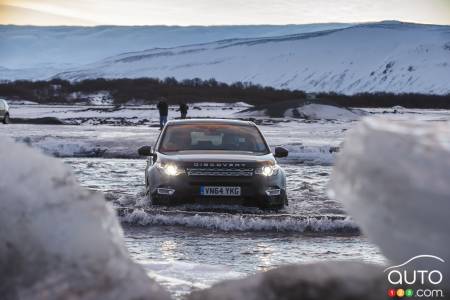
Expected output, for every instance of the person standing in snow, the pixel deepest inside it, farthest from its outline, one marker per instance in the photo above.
(183, 110)
(163, 112)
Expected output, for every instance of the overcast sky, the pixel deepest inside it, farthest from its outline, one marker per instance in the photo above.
(219, 12)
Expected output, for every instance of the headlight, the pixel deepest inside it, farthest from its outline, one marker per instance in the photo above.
(170, 169)
(268, 170)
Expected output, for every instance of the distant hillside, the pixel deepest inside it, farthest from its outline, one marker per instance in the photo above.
(149, 91)
(25, 47)
(390, 57)
(381, 57)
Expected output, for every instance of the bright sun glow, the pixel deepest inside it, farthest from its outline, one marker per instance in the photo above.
(219, 12)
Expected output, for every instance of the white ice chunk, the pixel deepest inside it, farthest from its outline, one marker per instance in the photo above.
(57, 240)
(394, 179)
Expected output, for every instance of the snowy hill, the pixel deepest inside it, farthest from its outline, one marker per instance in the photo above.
(61, 46)
(386, 56)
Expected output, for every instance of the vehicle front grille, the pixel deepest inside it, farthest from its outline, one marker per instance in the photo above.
(220, 172)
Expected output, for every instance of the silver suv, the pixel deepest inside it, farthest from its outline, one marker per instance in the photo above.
(214, 161)
(4, 112)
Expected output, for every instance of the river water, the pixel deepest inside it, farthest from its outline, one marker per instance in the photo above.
(192, 247)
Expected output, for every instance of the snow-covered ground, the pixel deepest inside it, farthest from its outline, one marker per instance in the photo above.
(315, 141)
(325, 112)
(314, 138)
(123, 115)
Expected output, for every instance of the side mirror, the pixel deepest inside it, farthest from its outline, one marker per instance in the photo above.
(145, 151)
(281, 152)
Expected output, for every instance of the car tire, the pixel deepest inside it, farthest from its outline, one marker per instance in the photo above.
(156, 202)
(149, 194)
(149, 199)
(276, 207)
(6, 119)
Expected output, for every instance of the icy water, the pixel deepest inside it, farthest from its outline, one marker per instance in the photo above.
(122, 180)
(192, 247)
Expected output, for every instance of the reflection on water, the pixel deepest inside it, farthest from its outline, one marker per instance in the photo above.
(168, 249)
(183, 259)
(264, 254)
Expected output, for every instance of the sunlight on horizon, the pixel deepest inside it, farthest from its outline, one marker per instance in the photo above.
(215, 12)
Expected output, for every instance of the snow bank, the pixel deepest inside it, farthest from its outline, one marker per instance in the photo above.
(393, 178)
(97, 98)
(331, 280)
(323, 112)
(21, 102)
(240, 222)
(293, 109)
(252, 113)
(60, 147)
(57, 240)
(312, 155)
(99, 111)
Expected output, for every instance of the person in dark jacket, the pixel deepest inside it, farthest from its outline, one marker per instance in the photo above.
(163, 112)
(183, 110)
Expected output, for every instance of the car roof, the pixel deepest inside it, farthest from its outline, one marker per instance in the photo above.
(211, 121)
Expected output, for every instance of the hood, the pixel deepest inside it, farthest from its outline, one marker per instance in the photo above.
(190, 157)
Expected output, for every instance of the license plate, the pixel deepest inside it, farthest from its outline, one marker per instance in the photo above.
(220, 190)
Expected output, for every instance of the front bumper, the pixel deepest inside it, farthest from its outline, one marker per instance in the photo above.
(256, 190)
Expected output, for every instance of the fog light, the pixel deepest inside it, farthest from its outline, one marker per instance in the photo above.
(273, 192)
(163, 191)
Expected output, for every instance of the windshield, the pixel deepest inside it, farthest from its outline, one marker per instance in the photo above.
(225, 137)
